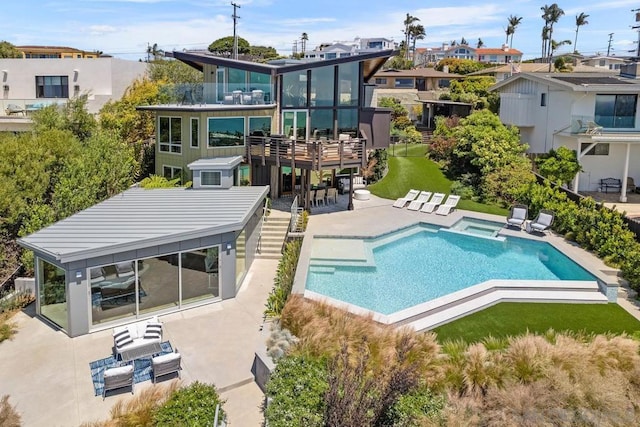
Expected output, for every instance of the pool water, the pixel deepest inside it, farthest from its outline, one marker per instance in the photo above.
(428, 264)
(479, 227)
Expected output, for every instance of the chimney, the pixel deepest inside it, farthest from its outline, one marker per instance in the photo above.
(505, 47)
(445, 46)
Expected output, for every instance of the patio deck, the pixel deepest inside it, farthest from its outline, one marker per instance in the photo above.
(47, 374)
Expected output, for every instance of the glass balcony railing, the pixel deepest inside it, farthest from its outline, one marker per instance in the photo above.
(213, 93)
(23, 107)
(602, 124)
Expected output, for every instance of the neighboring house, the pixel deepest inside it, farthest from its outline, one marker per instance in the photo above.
(432, 55)
(502, 72)
(596, 115)
(27, 85)
(148, 252)
(606, 62)
(420, 79)
(343, 49)
(313, 105)
(52, 52)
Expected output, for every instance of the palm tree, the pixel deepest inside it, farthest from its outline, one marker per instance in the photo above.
(545, 39)
(580, 21)
(154, 52)
(551, 15)
(555, 45)
(480, 43)
(514, 21)
(463, 42)
(407, 22)
(416, 32)
(304, 38)
(508, 31)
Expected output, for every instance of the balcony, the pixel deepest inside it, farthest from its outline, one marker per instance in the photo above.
(590, 125)
(213, 93)
(277, 150)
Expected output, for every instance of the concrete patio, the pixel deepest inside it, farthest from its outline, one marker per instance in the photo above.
(47, 374)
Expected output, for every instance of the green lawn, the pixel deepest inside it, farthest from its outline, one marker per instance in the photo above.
(510, 319)
(415, 170)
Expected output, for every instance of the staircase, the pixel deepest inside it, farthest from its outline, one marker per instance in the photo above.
(274, 231)
(426, 136)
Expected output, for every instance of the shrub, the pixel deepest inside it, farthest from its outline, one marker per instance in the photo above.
(279, 341)
(296, 392)
(193, 405)
(283, 281)
(419, 407)
(508, 183)
(559, 166)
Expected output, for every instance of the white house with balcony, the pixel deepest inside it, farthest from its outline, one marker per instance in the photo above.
(594, 114)
(27, 85)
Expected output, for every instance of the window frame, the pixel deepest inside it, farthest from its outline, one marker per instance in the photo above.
(42, 94)
(214, 173)
(173, 169)
(197, 138)
(170, 144)
(600, 149)
(244, 131)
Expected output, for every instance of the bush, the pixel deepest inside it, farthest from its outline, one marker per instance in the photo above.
(416, 409)
(194, 405)
(9, 417)
(296, 392)
(283, 281)
(508, 184)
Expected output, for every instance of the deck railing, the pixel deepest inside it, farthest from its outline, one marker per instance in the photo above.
(314, 154)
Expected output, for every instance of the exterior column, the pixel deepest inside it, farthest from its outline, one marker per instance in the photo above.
(625, 174)
(350, 205)
(576, 180)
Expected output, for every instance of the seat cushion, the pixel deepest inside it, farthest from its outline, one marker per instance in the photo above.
(165, 358)
(119, 371)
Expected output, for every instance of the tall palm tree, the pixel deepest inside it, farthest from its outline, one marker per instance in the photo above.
(514, 21)
(508, 31)
(304, 38)
(580, 21)
(407, 22)
(480, 43)
(416, 32)
(556, 44)
(545, 39)
(551, 15)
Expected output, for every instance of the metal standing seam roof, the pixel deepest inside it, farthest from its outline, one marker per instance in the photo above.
(139, 218)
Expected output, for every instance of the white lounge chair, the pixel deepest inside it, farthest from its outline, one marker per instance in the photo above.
(422, 198)
(517, 216)
(411, 195)
(115, 378)
(435, 201)
(542, 222)
(449, 205)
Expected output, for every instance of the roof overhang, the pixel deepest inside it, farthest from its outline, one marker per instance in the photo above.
(548, 79)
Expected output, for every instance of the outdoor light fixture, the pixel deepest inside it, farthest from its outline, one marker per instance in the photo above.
(78, 275)
(229, 246)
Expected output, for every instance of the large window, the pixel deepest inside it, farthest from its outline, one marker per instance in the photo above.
(260, 126)
(53, 295)
(321, 124)
(348, 121)
(348, 80)
(170, 134)
(237, 79)
(596, 150)
(52, 87)
(294, 89)
(261, 81)
(406, 83)
(200, 274)
(616, 111)
(226, 131)
(171, 172)
(322, 86)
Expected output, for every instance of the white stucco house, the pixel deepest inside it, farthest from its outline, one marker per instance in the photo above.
(594, 114)
(28, 84)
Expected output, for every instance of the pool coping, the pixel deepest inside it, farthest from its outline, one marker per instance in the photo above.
(367, 222)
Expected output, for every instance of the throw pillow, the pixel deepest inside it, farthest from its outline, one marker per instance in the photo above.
(122, 338)
(153, 331)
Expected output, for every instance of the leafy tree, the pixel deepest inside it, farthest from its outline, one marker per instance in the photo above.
(263, 53)
(7, 50)
(172, 71)
(460, 66)
(224, 46)
(72, 116)
(580, 21)
(559, 166)
(397, 109)
(474, 90)
(157, 181)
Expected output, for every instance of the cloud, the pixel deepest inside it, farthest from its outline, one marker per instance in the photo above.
(97, 30)
(299, 22)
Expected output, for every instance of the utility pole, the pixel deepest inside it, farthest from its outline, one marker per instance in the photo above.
(295, 48)
(637, 28)
(609, 45)
(235, 34)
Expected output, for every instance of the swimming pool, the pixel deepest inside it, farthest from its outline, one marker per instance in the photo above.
(397, 271)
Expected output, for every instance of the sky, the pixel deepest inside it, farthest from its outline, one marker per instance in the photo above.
(124, 28)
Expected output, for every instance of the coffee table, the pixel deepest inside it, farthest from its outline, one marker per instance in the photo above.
(142, 352)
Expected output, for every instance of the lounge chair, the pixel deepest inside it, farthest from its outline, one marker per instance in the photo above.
(517, 216)
(432, 204)
(449, 205)
(166, 364)
(402, 201)
(422, 198)
(115, 378)
(541, 222)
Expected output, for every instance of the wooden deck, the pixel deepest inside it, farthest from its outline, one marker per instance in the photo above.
(310, 155)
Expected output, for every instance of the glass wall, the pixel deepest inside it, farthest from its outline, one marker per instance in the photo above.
(200, 275)
(322, 86)
(322, 124)
(225, 131)
(236, 79)
(616, 111)
(260, 81)
(241, 256)
(53, 294)
(260, 126)
(113, 292)
(294, 89)
(348, 121)
(158, 283)
(348, 79)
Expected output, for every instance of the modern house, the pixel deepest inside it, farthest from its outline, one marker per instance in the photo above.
(148, 252)
(27, 85)
(356, 46)
(432, 55)
(286, 119)
(596, 115)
